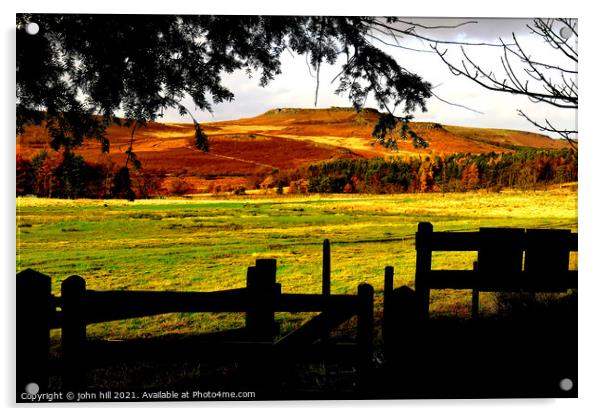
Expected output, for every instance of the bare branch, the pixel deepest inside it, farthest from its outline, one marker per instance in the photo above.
(541, 82)
(413, 24)
(397, 45)
(455, 104)
(511, 84)
(549, 128)
(544, 30)
(545, 65)
(393, 31)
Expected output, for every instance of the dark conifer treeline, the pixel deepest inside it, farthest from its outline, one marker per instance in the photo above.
(524, 169)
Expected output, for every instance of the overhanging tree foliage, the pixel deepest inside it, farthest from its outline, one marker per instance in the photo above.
(79, 71)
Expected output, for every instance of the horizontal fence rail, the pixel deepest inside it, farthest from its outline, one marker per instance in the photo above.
(137, 304)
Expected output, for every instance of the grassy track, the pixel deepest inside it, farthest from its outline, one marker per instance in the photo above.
(207, 244)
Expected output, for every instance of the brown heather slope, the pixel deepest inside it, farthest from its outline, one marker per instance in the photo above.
(345, 127)
(278, 139)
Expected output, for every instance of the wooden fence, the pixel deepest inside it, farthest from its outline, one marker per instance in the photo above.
(525, 355)
(39, 311)
(508, 260)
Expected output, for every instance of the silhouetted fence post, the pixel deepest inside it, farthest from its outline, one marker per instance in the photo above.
(387, 299)
(34, 313)
(251, 314)
(365, 328)
(423, 267)
(73, 291)
(399, 317)
(326, 279)
(475, 295)
(326, 268)
(262, 288)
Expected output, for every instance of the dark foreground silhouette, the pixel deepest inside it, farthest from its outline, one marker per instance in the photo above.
(526, 350)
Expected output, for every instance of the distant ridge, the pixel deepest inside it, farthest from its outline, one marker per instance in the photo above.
(325, 125)
(292, 110)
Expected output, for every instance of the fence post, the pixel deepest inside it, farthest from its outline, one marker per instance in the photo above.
(365, 329)
(475, 295)
(326, 280)
(262, 288)
(423, 267)
(73, 291)
(34, 314)
(326, 268)
(388, 298)
(252, 318)
(401, 327)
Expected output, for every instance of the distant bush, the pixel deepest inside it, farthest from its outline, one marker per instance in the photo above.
(146, 184)
(179, 187)
(122, 185)
(300, 186)
(268, 182)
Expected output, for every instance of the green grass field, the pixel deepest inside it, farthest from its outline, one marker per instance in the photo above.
(207, 244)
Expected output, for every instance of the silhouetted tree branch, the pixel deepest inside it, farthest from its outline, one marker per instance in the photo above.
(553, 83)
(80, 71)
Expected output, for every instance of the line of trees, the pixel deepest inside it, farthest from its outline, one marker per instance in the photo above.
(68, 175)
(458, 172)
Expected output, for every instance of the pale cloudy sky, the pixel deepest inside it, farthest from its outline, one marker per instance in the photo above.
(295, 87)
